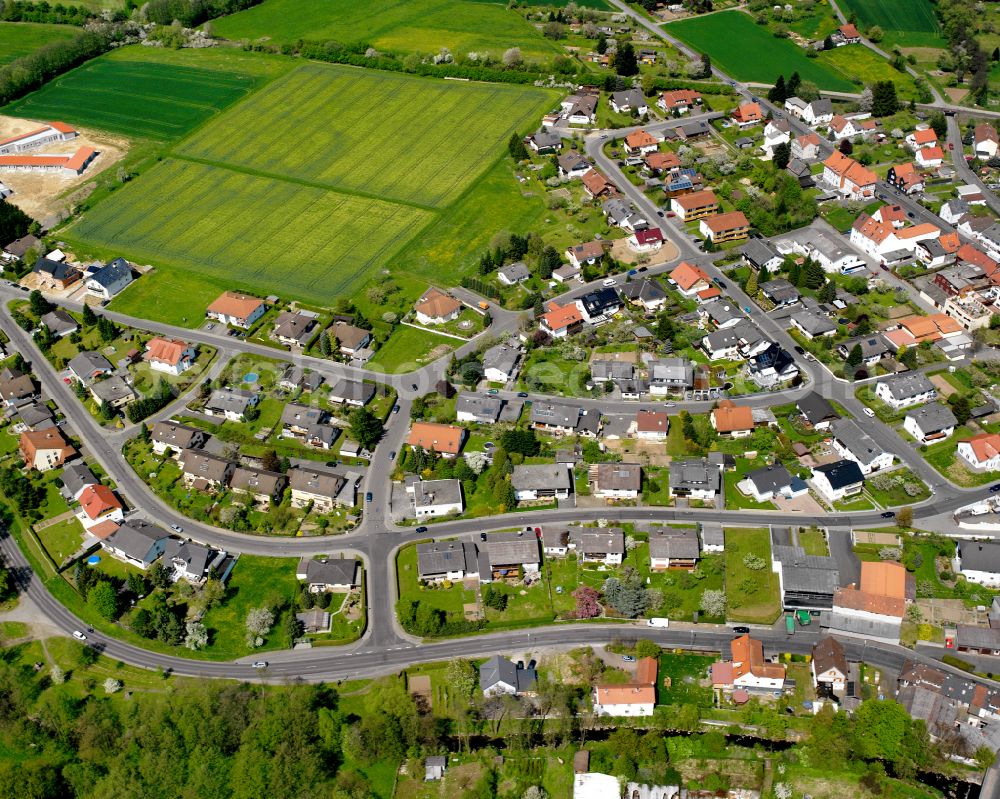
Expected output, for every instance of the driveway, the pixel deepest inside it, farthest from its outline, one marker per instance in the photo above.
(804, 504)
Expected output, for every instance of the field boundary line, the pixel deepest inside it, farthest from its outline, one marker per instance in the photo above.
(256, 173)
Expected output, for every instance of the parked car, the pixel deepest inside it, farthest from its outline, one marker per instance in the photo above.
(177, 528)
(721, 285)
(869, 413)
(522, 393)
(259, 664)
(799, 350)
(395, 408)
(628, 658)
(392, 455)
(608, 281)
(494, 391)
(79, 636)
(889, 514)
(368, 497)
(741, 630)
(995, 488)
(420, 529)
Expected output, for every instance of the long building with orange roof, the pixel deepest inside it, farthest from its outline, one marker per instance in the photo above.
(39, 137)
(875, 608)
(635, 698)
(72, 164)
(848, 177)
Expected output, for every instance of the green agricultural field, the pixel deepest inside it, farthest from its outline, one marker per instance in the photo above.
(729, 36)
(860, 65)
(224, 223)
(911, 23)
(394, 25)
(20, 38)
(415, 140)
(136, 98)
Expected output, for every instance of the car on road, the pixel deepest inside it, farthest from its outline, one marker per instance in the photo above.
(628, 658)
(746, 308)
(604, 135)
(608, 281)
(177, 528)
(643, 269)
(420, 529)
(741, 630)
(482, 536)
(395, 408)
(869, 413)
(719, 283)
(799, 350)
(951, 145)
(210, 326)
(259, 664)
(889, 514)
(392, 455)
(670, 214)
(995, 488)
(633, 272)
(368, 497)
(522, 394)
(79, 636)
(669, 404)
(494, 391)
(659, 213)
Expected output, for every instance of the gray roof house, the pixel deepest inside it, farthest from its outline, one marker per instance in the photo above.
(627, 100)
(931, 422)
(696, 478)
(114, 390)
(873, 348)
(722, 313)
(478, 408)
(854, 443)
(322, 488)
(541, 481)
(59, 322)
(910, 388)
(211, 470)
(107, 281)
(514, 273)
(294, 329)
(15, 386)
(446, 560)
(295, 377)
(231, 403)
(34, 416)
(75, 478)
(817, 410)
(328, 574)
(560, 417)
(189, 560)
(264, 486)
(759, 253)
(434, 767)
(979, 561)
(498, 675)
(780, 291)
(500, 363)
(351, 392)
(136, 542)
(671, 547)
(646, 292)
(806, 581)
(670, 374)
(88, 366)
(812, 325)
(177, 437)
(605, 544)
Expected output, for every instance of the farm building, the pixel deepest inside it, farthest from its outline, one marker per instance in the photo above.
(52, 132)
(66, 165)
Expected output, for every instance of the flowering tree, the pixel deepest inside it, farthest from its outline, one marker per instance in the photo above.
(587, 602)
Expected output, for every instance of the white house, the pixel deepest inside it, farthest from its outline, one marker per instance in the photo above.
(136, 542)
(905, 390)
(979, 562)
(851, 180)
(541, 481)
(855, 444)
(933, 422)
(616, 480)
(436, 497)
(929, 157)
(624, 700)
(748, 669)
(985, 141)
(838, 480)
(981, 453)
(926, 137)
(652, 425)
(108, 281)
(169, 356)
(829, 665)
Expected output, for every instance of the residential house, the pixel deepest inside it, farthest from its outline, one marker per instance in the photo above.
(936, 252)
(713, 538)
(351, 392)
(230, 403)
(776, 132)
(623, 214)
(295, 329)
(646, 292)
(561, 321)
(661, 163)
(261, 485)
(238, 310)
(636, 698)
(598, 544)
(447, 560)
(817, 411)
(905, 390)
(32, 416)
(74, 479)
(748, 670)
(544, 142)
(780, 292)
(759, 254)
(805, 581)
(838, 480)
(436, 308)
(873, 348)
(747, 115)
(925, 137)
(113, 390)
(875, 610)
(309, 425)
(321, 489)
(979, 562)
(812, 325)
(679, 101)
(905, 177)
(818, 112)
(326, 575)
(16, 388)
(555, 540)
(444, 439)
(767, 482)
(110, 280)
(932, 423)
(669, 375)
(981, 453)
(806, 147)
(17, 249)
(846, 34)
(204, 470)
(646, 240)
(887, 243)
(596, 185)
(689, 279)
(98, 504)
(855, 444)
(730, 419)
(735, 340)
(771, 366)
(190, 561)
(699, 478)
(725, 227)
(848, 177)
(55, 275)
(86, 367)
(59, 323)
(137, 543)
(564, 419)
(985, 142)
(434, 767)
(695, 205)
(625, 102)
(587, 253)
(641, 142)
(176, 437)
(673, 548)
(43, 450)
(599, 305)
(573, 165)
(828, 250)
(829, 665)
(499, 676)
(508, 556)
(929, 157)
(616, 480)
(171, 356)
(436, 497)
(512, 274)
(537, 481)
(349, 338)
(651, 425)
(580, 109)
(294, 378)
(478, 408)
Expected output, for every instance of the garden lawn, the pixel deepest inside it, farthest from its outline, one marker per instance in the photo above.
(943, 457)
(20, 38)
(408, 348)
(729, 36)
(394, 25)
(136, 98)
(61, 540)
(912, 23)
(751, 595)
(813, 542)
(438, 135)
(255, 581)
(685, 672)
(896, 494)
(190, 295)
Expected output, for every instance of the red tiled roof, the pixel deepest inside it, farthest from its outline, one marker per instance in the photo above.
(238, 306)
(443, 438)
(686, 276)
(559, 317)
(96, 500)
(724, 222)
(922, 137)
(730, 417)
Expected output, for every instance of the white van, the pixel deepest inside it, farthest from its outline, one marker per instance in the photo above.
(658, 622)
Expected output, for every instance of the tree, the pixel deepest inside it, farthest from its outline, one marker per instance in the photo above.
(39, 305)
(884, 100)
(875, 33)
(984, 756)
(814, 276)
(865, 103)
(512, 57)
(103, 598)
(494, 598)
(626, 63)
(112, 686)
(324, 344)
(751, 287)
(644, 648)
(106, 329)
(628, 596)
(845, 146)
(554, 30)
(778, 93)
(904, 516)
(793, 84)
(548, 262)
(713, 602)
(939, 125)
(588, 605)
(781, 155)
(854, 358)
(461, 676)
(516, 148)
(960, 406)
(197, 635)
(365, 427)
(706, 65)
(259, 622)
(602, 44)
(880, 728)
